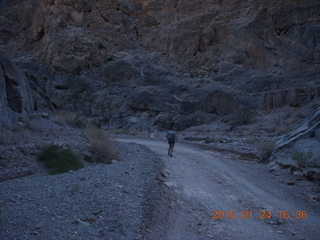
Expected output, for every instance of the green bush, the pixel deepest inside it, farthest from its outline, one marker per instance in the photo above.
(302, 158)
(58, 160)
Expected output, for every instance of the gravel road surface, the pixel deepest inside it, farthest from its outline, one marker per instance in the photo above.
(204, 182)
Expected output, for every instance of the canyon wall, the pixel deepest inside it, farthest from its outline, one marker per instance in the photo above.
(147, 63)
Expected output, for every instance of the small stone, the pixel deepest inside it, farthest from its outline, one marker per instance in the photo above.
(34, 233)
(163, 174)
(170, 184)
(114, 161)
(21, 124)
(45, 114)
(298, 175)
(291, 183)
(83, 222)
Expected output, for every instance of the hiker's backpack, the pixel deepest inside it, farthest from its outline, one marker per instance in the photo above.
(171, 135)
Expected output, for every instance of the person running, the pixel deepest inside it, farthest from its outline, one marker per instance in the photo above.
(171, 137)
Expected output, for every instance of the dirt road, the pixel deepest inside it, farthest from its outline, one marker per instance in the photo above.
(203, 182)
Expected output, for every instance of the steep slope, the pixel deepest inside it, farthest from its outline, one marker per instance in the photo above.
(144, 64)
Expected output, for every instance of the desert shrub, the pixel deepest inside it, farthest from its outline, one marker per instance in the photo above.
(302, 158)
(69, 118)
(266, 148)
(241, 116)
(280, 127)
(58, 160)
(102, 146)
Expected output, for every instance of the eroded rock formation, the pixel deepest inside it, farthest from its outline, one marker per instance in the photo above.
(15, 93)
(144, 62)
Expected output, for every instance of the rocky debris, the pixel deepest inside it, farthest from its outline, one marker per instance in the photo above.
(307, 126)
(88, 203)
(273, 167)
(298, 175)
(299, 149)
(285, 161)
(313, 174)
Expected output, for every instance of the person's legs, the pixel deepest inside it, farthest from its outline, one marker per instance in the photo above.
(171, 149)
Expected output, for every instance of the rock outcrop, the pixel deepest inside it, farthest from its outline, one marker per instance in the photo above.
(15, 93)
(295, 97)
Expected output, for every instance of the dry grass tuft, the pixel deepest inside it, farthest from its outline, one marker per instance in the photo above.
(102, 145)
(266, 148)
(242, 116)
(302, 158)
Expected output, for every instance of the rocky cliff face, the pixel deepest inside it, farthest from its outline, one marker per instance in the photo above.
(147, 63)
(15, 93)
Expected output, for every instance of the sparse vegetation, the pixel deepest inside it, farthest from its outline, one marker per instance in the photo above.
(280, 127)
(9, 137)
(266, 148)
(58, 160)
(302, 158)
(102, 146)
(242, 116)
